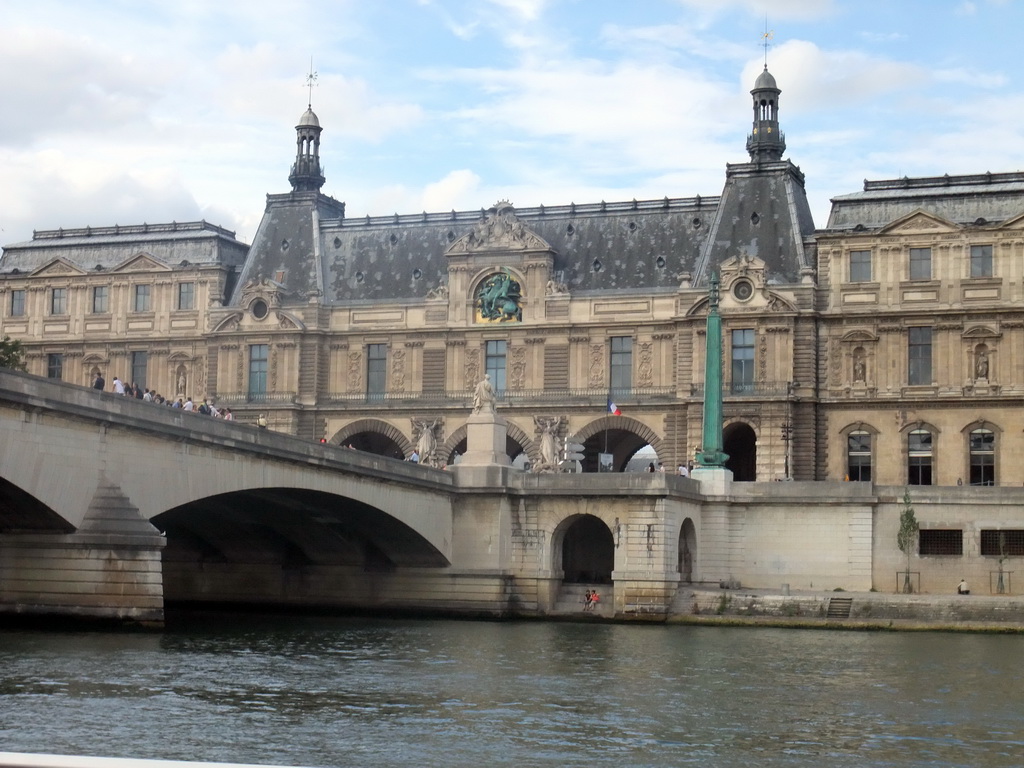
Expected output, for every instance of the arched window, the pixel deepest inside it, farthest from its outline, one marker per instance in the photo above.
(983, 457)
(919, 457)
(858, 456)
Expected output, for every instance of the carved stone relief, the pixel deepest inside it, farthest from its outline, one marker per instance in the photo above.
(645, 366)
(517, 368)
(355, 367)
(472, 368)
(596, 377)
(398, 370)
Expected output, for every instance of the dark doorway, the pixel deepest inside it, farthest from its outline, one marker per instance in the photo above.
(588, 552)
(687, 550)
(740, 443)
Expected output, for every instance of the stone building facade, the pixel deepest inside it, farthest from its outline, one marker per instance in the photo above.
(885, 346)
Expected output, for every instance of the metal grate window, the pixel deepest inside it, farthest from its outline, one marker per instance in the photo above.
(1008, 543)
(941, 541)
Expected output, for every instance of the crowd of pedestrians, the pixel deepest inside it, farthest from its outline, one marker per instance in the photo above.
(206, 407)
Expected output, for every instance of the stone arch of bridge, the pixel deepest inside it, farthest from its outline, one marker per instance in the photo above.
(583, 550)
(374, 436)
(21, 511)
(623, 437)
(285, 528)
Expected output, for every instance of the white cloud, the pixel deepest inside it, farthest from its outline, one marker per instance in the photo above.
(452, 191)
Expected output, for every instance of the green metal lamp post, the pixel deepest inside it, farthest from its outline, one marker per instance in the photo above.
(711, 454)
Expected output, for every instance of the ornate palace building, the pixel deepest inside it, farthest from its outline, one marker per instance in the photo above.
(886, 347)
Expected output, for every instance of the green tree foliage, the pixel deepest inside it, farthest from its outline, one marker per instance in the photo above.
(906, 537)
(12, 354)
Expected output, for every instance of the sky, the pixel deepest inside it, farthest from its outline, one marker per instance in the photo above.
(131, 111)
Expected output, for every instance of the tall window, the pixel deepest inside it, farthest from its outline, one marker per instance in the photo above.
(100, 299)
(919, 354)
(55, 366)
(494, 363)
(620, 378)
(920, 263)
(59, 301)
(858, 456)
(983, 457)
(860, 266)
(919, 457)
(743, 360)
(140, 361)
(981, 261)
(376, 370)
(142, 298)
(258, 354)
(18, 302)
(186, 295)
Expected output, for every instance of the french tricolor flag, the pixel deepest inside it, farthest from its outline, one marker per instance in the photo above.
(613, 409)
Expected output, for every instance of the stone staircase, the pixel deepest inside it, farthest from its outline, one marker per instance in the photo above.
(839, 607)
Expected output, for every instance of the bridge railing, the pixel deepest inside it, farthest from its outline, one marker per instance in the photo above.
(27, 760)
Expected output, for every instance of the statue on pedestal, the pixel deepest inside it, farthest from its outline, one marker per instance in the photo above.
(484, 396)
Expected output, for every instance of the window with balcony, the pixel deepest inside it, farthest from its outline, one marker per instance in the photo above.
(858, 456)
(620, 374)
(186, 295)
(919, 356)
(100, 300)
(743, 360)
(58, 301)
(376, 371)
(55, 366)
(920, 263)
(143, 295)
(860, 266)
(495, 353)
(983, 457)
(981, 261)
(18, 303)
(258, 356)
(919, 457)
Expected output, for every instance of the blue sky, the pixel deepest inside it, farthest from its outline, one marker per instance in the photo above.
(124, 112)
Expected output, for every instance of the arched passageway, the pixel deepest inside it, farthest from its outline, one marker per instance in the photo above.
(740, 443)
(687, 550)
(588, 552)
(376, 443)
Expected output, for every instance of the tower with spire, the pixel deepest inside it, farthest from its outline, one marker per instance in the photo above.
(306, 175)
(763, 213)
(766, 142)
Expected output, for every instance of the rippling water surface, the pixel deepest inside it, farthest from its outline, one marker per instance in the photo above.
(358, 692)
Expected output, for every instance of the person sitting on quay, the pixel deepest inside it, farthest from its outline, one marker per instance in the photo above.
(586, 601)
(962, 588)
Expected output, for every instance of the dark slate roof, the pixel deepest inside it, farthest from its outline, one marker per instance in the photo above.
(763, 213)
(993, 197)
(630, 246)
(197, 242)
(286, 242)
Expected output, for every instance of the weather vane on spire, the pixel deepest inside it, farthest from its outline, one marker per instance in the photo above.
(766, 39)
(310, 82)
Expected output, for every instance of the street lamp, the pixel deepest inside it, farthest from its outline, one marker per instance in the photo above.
(787, 435)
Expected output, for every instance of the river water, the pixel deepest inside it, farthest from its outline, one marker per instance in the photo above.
(365, 692)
